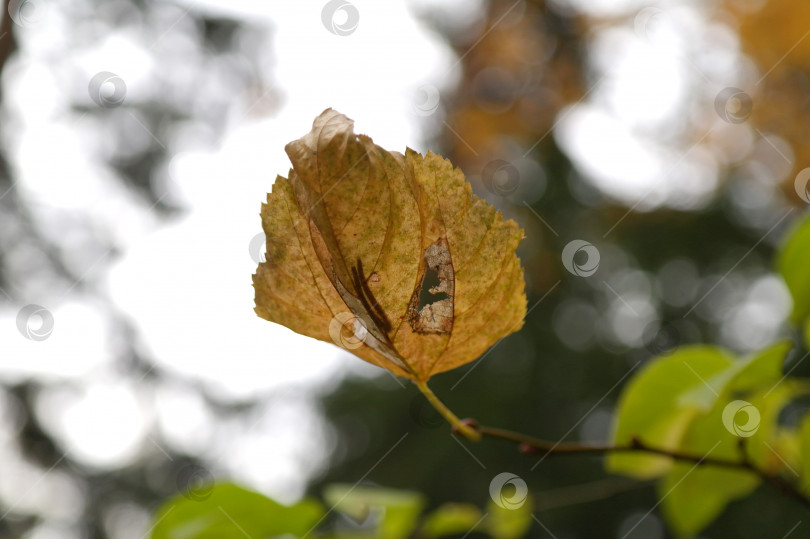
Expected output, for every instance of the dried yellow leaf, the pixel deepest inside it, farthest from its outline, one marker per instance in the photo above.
(393, 248)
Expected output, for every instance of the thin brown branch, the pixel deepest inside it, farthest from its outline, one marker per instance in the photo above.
(530, 445)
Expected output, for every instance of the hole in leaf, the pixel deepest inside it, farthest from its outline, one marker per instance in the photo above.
(431, 280)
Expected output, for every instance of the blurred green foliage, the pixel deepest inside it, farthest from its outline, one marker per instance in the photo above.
(356, 512)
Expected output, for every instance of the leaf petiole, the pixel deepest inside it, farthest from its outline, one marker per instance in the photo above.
(458, 425)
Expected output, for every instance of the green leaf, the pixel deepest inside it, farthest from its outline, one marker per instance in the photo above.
(401, 508)
(692, 401)
(793, 261)
(692, 495)
(660, 402)
(509, 523)
(763, 368)
(232, 511)
(760, 381)
(774, 447)
(450, 519)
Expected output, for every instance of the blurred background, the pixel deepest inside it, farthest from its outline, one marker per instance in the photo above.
(667, 140)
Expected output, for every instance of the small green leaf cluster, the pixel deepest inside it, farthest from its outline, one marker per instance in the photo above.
(703, 400)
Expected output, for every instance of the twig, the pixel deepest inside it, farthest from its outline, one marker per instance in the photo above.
(470, 429)
(530, 445)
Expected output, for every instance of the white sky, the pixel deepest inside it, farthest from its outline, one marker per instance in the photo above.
(186, 284)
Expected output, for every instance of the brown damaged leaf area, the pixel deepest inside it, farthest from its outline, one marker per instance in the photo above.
(435, 316)
(396, 243)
